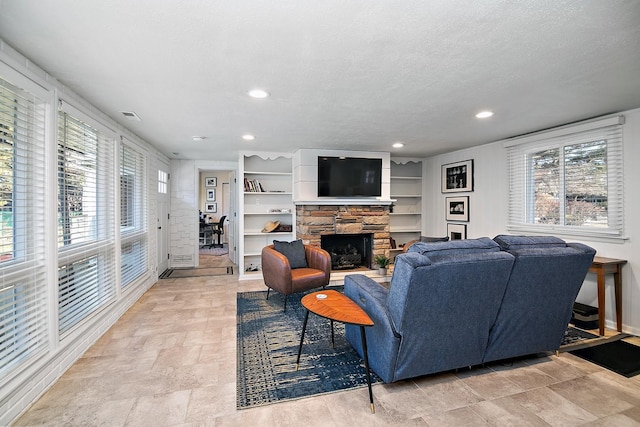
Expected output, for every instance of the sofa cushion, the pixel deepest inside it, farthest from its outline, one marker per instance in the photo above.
(427, 239)
(455, 247)
(526, 242)
(294, 251)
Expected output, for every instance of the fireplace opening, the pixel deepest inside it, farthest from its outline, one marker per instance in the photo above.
(348, 251)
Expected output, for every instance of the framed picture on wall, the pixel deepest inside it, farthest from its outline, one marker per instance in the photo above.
(457, 177)
(457, 208)
(211, 195)
(211, 181)
(457, 231)
(211, 207)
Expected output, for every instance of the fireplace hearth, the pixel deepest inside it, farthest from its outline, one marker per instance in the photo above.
(348, 251)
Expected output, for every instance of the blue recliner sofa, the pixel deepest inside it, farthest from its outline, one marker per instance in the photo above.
(465, 302)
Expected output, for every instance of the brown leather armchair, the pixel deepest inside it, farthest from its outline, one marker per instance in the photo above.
(279, 276)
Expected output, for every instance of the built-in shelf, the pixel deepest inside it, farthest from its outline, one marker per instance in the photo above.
(405, 222)
(271, 175)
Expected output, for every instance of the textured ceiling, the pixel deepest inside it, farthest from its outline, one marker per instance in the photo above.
(342, 74)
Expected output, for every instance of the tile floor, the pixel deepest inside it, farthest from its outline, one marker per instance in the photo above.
(171, 361)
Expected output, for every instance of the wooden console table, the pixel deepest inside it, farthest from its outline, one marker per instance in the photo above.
(603, 266)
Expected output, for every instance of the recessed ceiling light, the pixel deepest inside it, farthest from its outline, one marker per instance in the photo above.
(199, 138)
(398, 144)
(248, 137)
(484, 114)
(258, 93)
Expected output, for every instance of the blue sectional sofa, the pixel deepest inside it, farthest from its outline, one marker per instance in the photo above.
(466, 302)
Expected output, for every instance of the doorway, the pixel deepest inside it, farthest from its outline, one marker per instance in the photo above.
(216, 240)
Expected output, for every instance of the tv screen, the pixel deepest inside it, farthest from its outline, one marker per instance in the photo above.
(349, 177)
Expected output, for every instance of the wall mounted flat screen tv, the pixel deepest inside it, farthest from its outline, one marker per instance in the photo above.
(349, 177)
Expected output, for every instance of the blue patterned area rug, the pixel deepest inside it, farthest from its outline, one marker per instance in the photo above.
(268, 340)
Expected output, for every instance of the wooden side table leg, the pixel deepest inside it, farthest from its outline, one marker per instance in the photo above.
(366, 365)
(601, 301)
(617, 279)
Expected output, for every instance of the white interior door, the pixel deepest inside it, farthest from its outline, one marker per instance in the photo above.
(162, 227)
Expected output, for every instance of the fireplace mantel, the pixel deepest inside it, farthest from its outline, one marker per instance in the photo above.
(344, 201)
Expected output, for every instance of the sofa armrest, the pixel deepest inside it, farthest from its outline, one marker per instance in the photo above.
(276, 270)
(371, 297)
(382, 341)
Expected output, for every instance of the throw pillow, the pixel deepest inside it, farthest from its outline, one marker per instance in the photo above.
(294, 251)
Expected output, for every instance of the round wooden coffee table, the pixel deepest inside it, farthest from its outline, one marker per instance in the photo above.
(333, 305)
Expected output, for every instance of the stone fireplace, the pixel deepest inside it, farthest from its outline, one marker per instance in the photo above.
(348, 251)
(315, 221)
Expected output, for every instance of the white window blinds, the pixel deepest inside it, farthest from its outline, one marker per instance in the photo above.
(133, 231)
(569, 181)
(86, 260)
(23, 296)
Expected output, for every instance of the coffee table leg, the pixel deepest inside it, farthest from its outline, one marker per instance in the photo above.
(304, 328)
(366, 365)
(333, 342)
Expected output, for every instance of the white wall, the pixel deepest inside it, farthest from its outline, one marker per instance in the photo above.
(488, 205)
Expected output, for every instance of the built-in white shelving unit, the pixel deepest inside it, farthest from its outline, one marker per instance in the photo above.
(406, 190)
(266, 194)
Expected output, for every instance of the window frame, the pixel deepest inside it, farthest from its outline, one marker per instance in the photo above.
(134, 239)
(521, 177)
(97, 252)
(24, 332)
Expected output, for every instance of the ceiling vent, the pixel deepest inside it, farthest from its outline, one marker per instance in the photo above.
(130, 115)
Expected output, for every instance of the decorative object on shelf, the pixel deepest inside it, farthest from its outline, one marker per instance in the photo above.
(211, 207)
(211, 195)
(457, 231)
(270, 226)
(457, 208)
(284, 228)
(211, 181)
(457, 177)
(382, 261)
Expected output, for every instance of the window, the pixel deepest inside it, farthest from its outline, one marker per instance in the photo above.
(23, 296)
(132, 216)
(163, 181)
(86, 256)
(569, 181)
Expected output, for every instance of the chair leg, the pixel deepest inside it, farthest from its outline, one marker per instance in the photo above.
(285, 303)
(268, 289)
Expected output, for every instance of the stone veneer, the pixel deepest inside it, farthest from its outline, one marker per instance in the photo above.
(313, 221)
